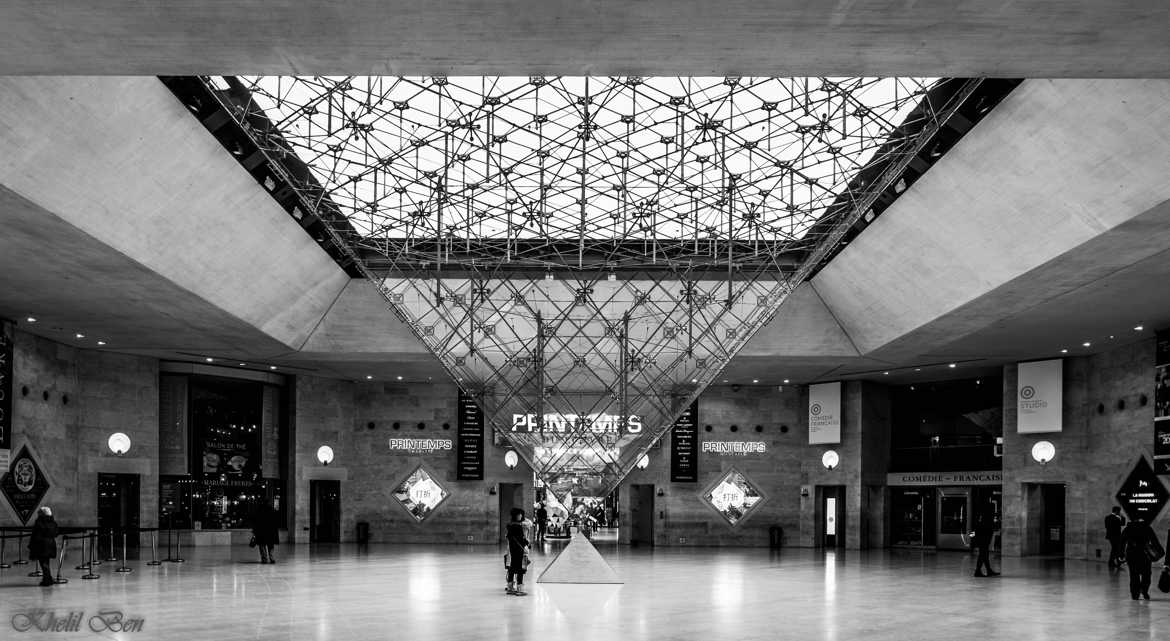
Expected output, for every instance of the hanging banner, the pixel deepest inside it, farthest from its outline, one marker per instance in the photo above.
(1162, 404)
(684, 447)
(6, 355)
(824, 413)
(1039, 397)
(469, 443)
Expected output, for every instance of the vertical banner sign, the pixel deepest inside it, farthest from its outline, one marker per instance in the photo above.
(1039, 397)
(469, 446)
(270, 432)
(824, 413)
(684, 447)
(6, 349)
(172, 426)
(1162, 404)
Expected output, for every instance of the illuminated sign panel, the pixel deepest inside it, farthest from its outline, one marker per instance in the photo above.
(734, 447)
(421, 445)
(420, 494)
(733, 496)
(1142, 496)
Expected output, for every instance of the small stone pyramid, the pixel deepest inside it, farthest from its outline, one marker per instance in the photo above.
(579, 562)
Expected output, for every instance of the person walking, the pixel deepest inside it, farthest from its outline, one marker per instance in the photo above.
(1113, 524)
(983, 535)
(266, 529)
(42, 543)
(541, 521)
(517, 553)
(1138, 537)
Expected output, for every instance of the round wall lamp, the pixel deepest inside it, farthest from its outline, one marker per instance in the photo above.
(325, 454)
(1043, 452)
(118, 443)
(644, 462)
(511, 459)
(830, 459)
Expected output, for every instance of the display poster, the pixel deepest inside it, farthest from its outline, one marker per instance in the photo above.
(1162, 404)
(24, 485)
(469, 440)
(684, 446)
(6, 356)
(824, 413)
(1142, 496)
(270, 432)
(1039, 397)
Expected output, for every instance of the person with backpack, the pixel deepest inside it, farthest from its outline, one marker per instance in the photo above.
(1142, 548)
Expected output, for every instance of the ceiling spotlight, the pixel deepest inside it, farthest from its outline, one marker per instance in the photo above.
(885, 373)
(549, 276)
(917, 369)
(1136, 328)
(1086, 344)
(755, 380)
(694, 380)
(399, 378)
(243, 364)
(33, 320)
(101, 343)
(369, 378)
(786, 380)
(271, 367)
(952, 366)
(209, 359)
(1064, 351)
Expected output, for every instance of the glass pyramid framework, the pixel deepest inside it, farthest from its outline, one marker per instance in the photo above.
(585, 255)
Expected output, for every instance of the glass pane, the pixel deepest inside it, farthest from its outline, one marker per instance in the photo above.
(953, 514)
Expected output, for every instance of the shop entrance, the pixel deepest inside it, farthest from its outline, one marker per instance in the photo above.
(954, 518)
(831, 516)
(324, 511)
(118, 498)
(642, 514)
(511, 496)
(1044, 526)
(913, 516)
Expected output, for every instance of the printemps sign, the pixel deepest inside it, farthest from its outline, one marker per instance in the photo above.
(559, 423)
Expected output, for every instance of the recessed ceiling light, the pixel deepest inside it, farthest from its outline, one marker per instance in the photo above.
(885, 373)
(271, 367)
(80, 335)
(952, 366)
(1086, 344)
(1064, 351)
(369, 378)
(694, 380)
(31, 319)
(1136, 328)
(243, 364)
(399, 378)
(209, 359)
(917, 369)
(101, 342)
(1111, 337)
(786, 380)
(755, 380)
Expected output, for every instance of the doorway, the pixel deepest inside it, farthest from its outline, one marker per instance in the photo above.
(954, 518)
(325, 511)
(511, 496)
(642, 514)
(1044, 519)
(831, 516)
(118, 506)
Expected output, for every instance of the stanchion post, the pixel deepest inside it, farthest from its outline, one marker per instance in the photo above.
(92, 537)
(19, 549)
(123, 567)
(61, 560)
(85, 565)
(3, 540)
(112, 556)
(154, 548)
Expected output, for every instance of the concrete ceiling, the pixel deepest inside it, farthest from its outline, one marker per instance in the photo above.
(1025, 238)
(1044, 38)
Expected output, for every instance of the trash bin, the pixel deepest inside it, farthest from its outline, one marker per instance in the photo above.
(363, 532)
(775, 537)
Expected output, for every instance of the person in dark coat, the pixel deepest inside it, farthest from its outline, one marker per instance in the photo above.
(1113, 524)
(983, 534)
(266, 529)
(517, 552)
(1136, 536)
(541, 521)
(42, 544)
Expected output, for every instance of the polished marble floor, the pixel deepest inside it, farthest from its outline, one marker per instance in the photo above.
(421, 592)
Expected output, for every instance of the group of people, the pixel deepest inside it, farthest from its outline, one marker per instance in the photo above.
(1136, 546)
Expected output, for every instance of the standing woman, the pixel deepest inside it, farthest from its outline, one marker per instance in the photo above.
(1137, 537)
(42, 544)
(517, 553)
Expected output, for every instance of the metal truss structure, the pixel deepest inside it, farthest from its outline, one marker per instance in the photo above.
(585, 255)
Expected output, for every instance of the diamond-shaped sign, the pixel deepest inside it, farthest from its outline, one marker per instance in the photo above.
(420, 494)
(733, 496)
(1142, 496)
(24, 485)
